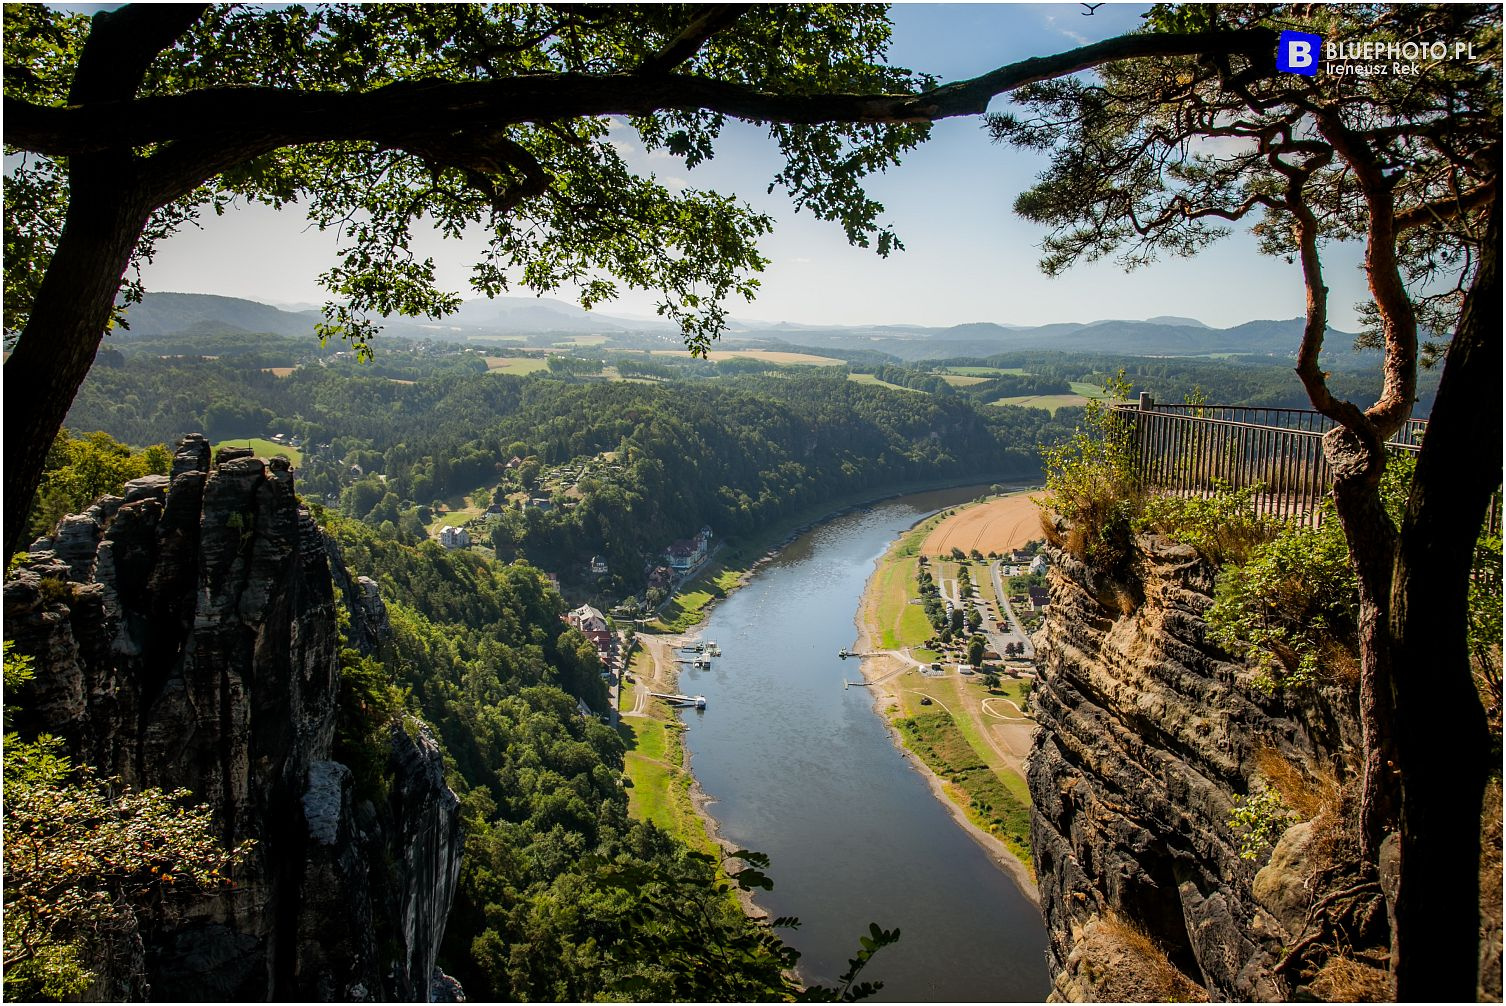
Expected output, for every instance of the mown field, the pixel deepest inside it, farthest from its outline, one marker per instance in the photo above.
(264, 448)
(516, 365)
(995, 526)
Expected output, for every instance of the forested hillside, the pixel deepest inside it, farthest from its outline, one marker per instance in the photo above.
(576, 466)
(561, 895)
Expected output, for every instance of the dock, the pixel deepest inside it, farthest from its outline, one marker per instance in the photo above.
(699, 701)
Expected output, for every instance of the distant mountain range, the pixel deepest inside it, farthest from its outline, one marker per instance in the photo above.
(191, 313)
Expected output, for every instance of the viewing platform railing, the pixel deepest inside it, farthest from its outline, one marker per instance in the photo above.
(1188, 450)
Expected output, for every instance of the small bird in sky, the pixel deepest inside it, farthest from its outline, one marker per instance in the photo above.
(1091, 8)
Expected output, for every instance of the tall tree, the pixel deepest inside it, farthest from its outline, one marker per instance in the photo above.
(1159, 156)
(134, 121)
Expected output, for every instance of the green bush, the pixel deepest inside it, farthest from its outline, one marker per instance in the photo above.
(1091, 481)
(1295, 598)
(1223, 526)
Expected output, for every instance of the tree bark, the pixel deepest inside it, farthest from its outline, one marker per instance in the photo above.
(68, 320)
(1358, 459)
(1443, 744)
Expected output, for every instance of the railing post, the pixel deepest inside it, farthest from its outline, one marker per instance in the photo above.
(1147, 403)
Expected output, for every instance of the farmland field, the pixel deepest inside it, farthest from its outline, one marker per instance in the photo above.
(962, 380)
(517, 365)
(1000, 524)
(1048, 402)
(988, 371)
(870, 379)
(767, 355)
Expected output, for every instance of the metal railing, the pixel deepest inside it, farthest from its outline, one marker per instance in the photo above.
(1191, 450)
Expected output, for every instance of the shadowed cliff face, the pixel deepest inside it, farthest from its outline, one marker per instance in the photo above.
(188, 638)
(1148, 735)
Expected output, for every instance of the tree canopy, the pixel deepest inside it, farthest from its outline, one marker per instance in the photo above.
(136, 121)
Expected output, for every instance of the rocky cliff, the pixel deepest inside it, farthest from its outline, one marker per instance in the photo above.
(185, 635)
(1151, 738)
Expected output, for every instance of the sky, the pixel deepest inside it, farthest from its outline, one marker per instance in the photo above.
(967, 257)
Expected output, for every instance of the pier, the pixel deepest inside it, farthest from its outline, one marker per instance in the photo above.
(699, 701)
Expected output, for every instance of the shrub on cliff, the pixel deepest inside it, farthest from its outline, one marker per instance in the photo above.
(1091, 482)
(83, 856)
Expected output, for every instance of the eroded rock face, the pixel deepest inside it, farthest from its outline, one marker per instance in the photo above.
(1147, 736)
(185, 636)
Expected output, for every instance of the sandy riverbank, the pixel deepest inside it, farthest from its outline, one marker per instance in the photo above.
(883, 674)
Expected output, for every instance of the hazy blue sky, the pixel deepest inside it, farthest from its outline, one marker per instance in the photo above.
(967, 257)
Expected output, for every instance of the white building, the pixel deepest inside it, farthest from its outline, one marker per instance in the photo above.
(455, 537)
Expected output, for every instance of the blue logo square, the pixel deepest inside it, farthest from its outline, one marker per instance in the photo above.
(1297, 52)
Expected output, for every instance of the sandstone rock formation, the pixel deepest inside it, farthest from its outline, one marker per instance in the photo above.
(185, 636)
(1149, 737)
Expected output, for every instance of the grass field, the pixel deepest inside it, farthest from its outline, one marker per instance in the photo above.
(516, 365)
(454, 518)
(942, 744)
(264, 448)
(658, 785)
(685, 609)
(870, 379)
(1048, 402)
(1087, 389)
(767, 355)
(901, 623)
(278, 371)
(962, 380)
(988, 371)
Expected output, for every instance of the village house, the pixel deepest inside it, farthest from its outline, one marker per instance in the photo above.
(1038, 564)
(598, 566)
(454, 537)
(593, 625)
(1039, 597)
(683, 554)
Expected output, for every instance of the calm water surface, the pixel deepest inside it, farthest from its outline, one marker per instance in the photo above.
(804, 770)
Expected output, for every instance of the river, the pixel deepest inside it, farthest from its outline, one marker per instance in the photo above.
(804, 770)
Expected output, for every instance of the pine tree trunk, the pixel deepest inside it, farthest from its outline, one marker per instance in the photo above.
(67, 321)
(1358, 461)
(1443, 744)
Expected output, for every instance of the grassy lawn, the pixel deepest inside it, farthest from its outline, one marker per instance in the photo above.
(942, 744)
(1015, 690)
(454, 518)
(650, 796)
(901, 623)
(264, 448)
(516, 365)
(659, 786)
(687, 607)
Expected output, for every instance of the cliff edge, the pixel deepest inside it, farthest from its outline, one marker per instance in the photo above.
(1165, 873)
(185, 635)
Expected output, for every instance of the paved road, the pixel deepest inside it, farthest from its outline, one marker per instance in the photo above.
(1004, 606)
